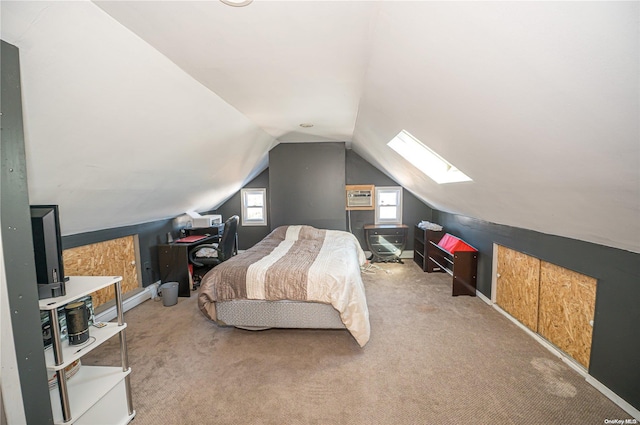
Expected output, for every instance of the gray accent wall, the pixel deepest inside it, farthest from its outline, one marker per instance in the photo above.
(17, 246)
(306, 184)
(616, 331)
(359, 171)
(248, 236)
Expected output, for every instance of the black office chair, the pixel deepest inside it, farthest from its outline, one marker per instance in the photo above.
(209, 255)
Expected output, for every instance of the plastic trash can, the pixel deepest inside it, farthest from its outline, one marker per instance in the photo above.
(169, 293)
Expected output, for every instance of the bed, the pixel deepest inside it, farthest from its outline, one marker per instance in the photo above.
(296, 277)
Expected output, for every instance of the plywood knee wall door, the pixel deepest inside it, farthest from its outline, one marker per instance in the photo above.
(518, 286)
(567, 310)
(115, 257)
(557, 303)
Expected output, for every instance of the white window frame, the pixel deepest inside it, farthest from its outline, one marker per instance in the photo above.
(380, 191)
(244, 194)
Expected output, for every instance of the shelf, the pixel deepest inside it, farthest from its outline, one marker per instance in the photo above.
(442, 267)
(86, 388)
(71, 353)
(95, 394)
(422, 238)
(77, 287)
(453, 256)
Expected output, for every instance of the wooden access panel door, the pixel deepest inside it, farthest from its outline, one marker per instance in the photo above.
(518, 280)
(556, 303)
(567, 309)
(116, 257)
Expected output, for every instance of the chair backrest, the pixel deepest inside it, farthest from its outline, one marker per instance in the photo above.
(227, 244)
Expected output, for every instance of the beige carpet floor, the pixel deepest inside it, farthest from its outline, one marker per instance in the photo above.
(432, 359)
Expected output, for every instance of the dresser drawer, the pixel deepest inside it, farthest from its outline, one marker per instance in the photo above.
(387, 239)
(387, 232)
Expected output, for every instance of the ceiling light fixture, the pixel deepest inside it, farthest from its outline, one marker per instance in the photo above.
(306, 125)
(237, 3)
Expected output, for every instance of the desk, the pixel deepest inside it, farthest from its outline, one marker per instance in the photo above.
(173, 260)
(386, 241)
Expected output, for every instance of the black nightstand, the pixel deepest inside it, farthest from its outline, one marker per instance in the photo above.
(386, 241)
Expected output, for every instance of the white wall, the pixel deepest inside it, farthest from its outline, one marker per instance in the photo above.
(538, 102)
(116, 133)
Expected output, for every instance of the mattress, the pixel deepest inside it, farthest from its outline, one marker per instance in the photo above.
(295, 263)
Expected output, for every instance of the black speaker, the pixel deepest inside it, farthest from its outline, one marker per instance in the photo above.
(77, 315)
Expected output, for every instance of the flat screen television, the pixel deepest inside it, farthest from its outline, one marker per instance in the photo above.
(47, 251)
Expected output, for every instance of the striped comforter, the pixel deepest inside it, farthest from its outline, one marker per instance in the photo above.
(299, 263)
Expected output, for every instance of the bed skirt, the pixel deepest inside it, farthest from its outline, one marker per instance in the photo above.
(261, 314)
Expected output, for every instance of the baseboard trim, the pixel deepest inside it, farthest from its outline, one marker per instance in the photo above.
(483, 297)
(127, 304)
(620, 402)
(635, 413)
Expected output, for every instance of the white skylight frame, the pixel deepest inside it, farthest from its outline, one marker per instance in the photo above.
(426, 160)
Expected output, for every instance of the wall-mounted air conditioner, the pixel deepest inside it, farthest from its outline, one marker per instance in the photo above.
(360, 197)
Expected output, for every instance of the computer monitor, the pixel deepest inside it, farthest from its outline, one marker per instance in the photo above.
(47, 251)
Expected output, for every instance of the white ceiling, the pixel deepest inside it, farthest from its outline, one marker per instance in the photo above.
(136, 111)
(279, 63)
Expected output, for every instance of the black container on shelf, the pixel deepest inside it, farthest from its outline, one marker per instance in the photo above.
(77, 315)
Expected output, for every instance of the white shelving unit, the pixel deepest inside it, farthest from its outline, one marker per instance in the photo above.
(95, 394)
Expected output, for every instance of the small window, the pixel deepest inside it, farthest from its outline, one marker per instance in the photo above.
(389, 205)
(254, 207)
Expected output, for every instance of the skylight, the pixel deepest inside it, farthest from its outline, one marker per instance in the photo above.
(426, 160)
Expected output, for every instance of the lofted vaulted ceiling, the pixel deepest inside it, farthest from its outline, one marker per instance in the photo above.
(137, 111)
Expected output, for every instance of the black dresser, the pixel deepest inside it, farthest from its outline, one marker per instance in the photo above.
(386, 241)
